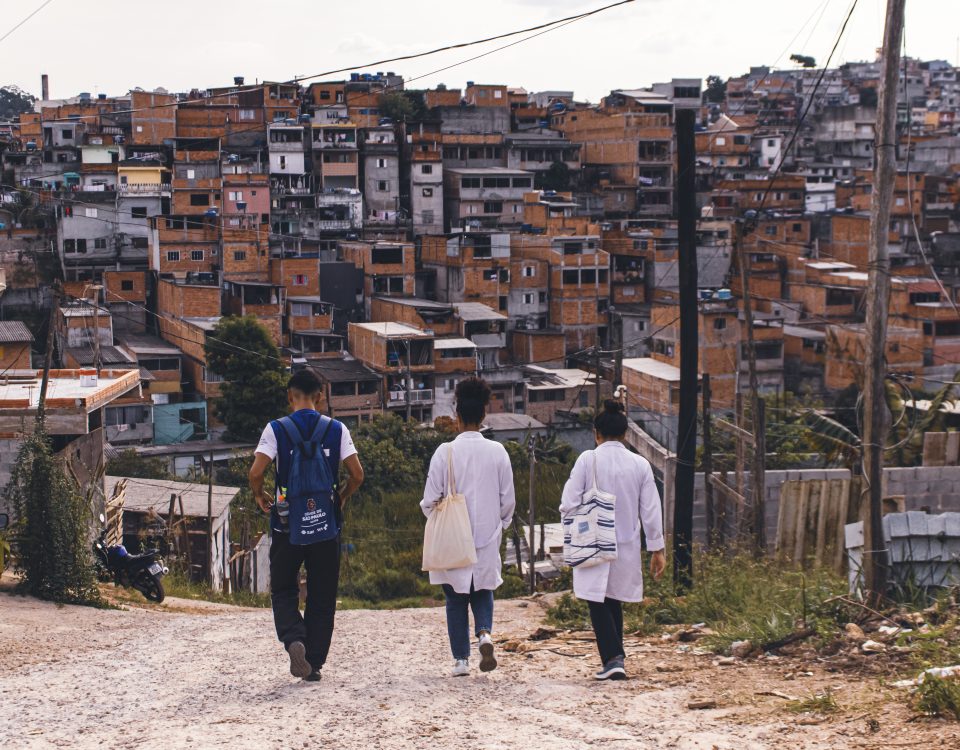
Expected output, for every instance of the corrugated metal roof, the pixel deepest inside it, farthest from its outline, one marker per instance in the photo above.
(109, 355)
(477, 311)
(453, 344)
(143, 495)
(14, 331)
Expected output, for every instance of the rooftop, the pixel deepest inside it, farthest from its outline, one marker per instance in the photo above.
(394, 330)
(109, 355)
(343, 370)
(20, 389)
(497, 422)
(653, 367)
(477, 311)
(490, 171)
(541, 378)
(144, 344)
(453, 344)
(804, 333)
(144, 495)
(15, 331)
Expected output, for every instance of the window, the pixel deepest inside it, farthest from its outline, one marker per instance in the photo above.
(383, 185)
(69, 246)
(173, 256)
(68, 135)
(838, 297)
(140, 243)
(283, 162)
(719, 324)
(496, 182)
(771, 142)
(770, 230)
(126, 285)
(100, 243)
(196, 255)
(235, 195)
(199, 199)
(798, 228)
(503, 303)
(528, 299)
(301, 309)
(239, 255)
(529, 271)
(517, 208)
(90, 213)
(571, 278)
(191, 174)
(543, 298)
(522, 182)
(247, 114)
(428, 192)
(300, 279)
(490, 275)
(426, 169)
(138, 212)
(493, 207)
(470, 182)
(392, 254)
(381, 163)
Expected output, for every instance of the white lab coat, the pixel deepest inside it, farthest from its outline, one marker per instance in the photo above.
(484, 476)
(630, 478)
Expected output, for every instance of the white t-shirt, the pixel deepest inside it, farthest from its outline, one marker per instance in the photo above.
(268, 443)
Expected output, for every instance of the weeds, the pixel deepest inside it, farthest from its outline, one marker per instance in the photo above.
(938, 697)
(820, 703)
(739, 598)
(178, 585)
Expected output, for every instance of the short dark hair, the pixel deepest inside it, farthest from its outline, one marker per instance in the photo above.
(612, 421)
(305, 381)
(473, 395)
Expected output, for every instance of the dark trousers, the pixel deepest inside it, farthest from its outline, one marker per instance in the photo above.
(322, 561)
(607, 619)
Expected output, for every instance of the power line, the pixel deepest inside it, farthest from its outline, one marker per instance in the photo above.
(21, 23)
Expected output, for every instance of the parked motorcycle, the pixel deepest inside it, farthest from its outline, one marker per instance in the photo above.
(142, 572)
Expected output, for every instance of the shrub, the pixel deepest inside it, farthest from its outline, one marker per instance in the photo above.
(938, 697)
(52, 526)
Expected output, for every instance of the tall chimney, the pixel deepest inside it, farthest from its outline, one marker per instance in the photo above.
(44, 88)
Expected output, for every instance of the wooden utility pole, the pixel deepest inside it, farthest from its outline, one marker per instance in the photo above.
(596, 384)
(689, 349)
(210, 519)
(710, 508)
(875, 415)
(409, 384)
(756, 514)
(532, 456)
(48, 355)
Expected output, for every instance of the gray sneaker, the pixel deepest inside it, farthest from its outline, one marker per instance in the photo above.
(613, 670)
(299, 666)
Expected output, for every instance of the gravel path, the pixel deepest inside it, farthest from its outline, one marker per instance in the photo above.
(206, 676)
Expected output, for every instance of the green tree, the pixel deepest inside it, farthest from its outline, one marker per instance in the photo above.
(52, 520)
(556, 178)
(716, 90)
(14, 101)
(253, 390)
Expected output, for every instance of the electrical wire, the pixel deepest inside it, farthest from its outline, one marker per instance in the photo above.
(27, 18)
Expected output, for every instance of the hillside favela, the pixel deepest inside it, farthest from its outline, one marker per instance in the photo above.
(595, 387)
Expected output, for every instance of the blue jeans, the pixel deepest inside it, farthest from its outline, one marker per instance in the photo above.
(458, 619)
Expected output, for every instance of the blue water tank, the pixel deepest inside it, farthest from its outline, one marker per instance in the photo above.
(724, 294)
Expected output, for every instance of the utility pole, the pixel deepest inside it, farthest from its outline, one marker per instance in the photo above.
(875, 415)
(689, 349)
(596, 384)
(711, 511)
(409, 384)
(532, 456)
(756, 515)
(210, 519)
(48, 357)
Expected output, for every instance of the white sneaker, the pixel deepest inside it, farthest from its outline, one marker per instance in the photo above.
(461, 668)
(488, 662)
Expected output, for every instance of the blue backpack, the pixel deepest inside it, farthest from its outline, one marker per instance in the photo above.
(311, 486)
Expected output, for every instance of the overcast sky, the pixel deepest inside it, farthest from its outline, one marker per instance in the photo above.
(112, 46)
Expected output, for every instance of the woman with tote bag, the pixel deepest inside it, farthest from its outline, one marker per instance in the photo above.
(476, 472)
(612, 475)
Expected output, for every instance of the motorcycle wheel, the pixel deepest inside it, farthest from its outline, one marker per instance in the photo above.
(150, 586)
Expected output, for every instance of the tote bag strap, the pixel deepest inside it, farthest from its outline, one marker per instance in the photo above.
(451, 480)
(596, 487)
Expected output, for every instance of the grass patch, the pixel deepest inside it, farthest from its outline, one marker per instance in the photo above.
(819, 703)
(938, 697)
(738, 597)
(181, 587)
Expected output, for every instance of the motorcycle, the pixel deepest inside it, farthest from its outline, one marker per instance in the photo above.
(142, 572)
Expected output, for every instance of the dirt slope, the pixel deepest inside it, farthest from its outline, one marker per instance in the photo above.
(206, 676)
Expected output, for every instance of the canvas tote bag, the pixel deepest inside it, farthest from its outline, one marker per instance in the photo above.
(589, 534)
(448, 537)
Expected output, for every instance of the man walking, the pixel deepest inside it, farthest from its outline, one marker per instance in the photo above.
(305, 519)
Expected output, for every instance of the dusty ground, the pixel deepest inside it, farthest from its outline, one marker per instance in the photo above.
(202, 676)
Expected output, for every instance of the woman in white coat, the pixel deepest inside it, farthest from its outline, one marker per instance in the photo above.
(484, 476)
(607, 585)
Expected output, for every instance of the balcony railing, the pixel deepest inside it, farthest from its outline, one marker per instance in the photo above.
(144, 188)
(421, 396)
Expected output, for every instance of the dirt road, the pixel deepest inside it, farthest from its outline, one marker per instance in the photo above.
(207, 676)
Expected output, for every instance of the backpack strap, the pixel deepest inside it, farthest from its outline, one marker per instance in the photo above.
(324, 422)
(293, 432)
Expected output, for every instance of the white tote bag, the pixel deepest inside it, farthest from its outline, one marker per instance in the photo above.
(448, 537)
(589, 534)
